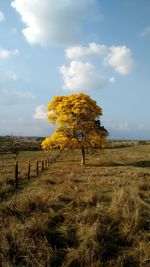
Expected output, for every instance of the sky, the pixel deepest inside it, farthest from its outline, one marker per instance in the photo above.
(62, 47)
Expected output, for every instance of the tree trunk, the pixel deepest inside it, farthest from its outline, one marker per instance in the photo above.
(83, 156)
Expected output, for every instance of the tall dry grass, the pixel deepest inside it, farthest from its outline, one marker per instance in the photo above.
(73, 216)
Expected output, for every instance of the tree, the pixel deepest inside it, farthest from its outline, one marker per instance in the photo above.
(14, 145)
(77, 124)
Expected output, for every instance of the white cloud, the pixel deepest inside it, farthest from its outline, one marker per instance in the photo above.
(127, 129)
(8, 53)
(23, 126)
(13, 76)
(40, 113)
(120, 58)
(112, 79)
(86, 51)
(123, 126)
(117, 125)
(2, 16)
(8, 75)
(117, 57)
(88, 63)
(145, 32)
(83, 76)
(14, 97)
(50, 21)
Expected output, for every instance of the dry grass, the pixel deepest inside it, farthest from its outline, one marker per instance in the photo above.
(7, 169)
(73, 216)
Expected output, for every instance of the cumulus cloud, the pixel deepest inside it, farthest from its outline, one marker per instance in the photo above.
(40, 113)
(8, 53)
(88, 63)
(117, 57)
(120, 58)
(145, 32)
(50, 21)
(14, 97)
(2, 16)
(83, 76)
(86, 51)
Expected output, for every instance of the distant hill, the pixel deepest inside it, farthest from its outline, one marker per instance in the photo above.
(25, 143)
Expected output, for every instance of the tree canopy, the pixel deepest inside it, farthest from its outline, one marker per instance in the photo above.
(77, 121)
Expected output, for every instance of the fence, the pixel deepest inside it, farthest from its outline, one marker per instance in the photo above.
(41, 165)
(25, 169)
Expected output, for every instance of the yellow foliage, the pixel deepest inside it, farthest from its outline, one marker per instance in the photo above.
(74, 116)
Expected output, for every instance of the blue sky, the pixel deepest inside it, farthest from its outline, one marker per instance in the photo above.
(98, 47)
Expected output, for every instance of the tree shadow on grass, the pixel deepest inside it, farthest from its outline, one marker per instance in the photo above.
(138, 164)
(105, 164)
(68, 160)
(142, 164)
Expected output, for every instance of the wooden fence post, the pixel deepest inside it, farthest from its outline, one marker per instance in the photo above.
(16, 174)
(45, 164)
(29, 169)
(37, 168)
(42, 166)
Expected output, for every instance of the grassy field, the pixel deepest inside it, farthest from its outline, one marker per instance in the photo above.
(96, 215)
(7, 169)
